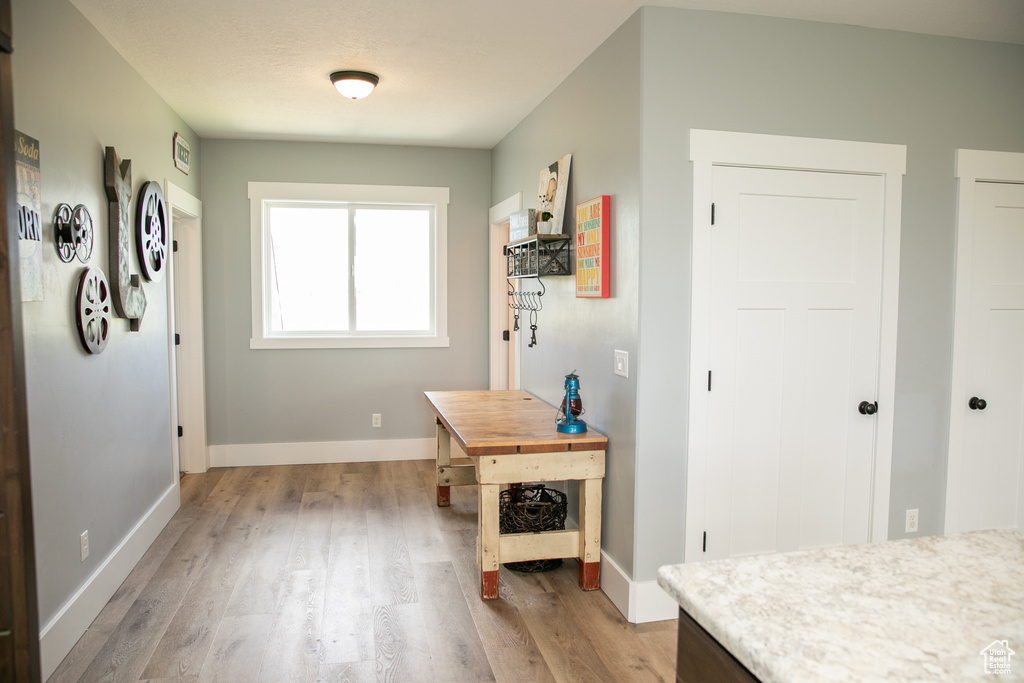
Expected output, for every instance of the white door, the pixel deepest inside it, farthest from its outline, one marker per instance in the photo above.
(504, 352)
(795, 310)
(991, 472)
(187, 324)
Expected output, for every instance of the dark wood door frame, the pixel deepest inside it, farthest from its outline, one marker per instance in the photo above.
(19, 618)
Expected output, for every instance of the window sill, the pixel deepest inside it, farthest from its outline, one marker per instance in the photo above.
(348, 342)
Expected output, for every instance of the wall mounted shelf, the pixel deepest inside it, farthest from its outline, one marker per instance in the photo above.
(538, 255)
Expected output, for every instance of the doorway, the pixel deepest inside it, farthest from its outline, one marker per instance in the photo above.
(793, 311)
(985, 471)
(185, 310)
(503, 352)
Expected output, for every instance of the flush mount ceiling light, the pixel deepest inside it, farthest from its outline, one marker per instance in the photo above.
(354, 85)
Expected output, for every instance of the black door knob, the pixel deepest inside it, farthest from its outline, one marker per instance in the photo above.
(866, 408)
(977, 403)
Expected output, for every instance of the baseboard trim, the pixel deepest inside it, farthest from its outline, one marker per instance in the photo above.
(60, 634)
(319, 452)
(639, 601)
(616, 585)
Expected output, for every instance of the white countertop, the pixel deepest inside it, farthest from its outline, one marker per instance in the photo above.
(920, 609)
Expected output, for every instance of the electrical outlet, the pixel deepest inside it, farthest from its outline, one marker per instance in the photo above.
(621, 363)
(912, 521)
(84, 541)
(375, 420)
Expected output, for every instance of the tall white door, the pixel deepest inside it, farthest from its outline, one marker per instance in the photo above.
(187, 323)
(503, 346)
(991, 475)
(796, 280)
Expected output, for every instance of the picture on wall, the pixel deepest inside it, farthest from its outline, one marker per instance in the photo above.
(30, 221)
(592, 233)
(554, 183)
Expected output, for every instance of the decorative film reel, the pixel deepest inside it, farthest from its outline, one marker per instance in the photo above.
(62, 233)
(72, 232)
(92, 310)
(151, 231)
(81, 232)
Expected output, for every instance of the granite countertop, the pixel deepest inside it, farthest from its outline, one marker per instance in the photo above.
(920, 609)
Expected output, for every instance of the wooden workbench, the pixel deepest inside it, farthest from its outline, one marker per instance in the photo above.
(510, 438)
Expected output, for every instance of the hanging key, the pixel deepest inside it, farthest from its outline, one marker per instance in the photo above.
(515, 327)
(533, 335)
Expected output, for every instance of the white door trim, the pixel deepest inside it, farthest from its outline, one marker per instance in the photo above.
(499, 350)
(972, 166)
(709, 148)
(187, 376)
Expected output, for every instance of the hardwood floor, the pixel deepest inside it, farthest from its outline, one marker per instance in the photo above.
(348, 572)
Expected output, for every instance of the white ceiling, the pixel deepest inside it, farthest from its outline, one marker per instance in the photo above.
(456, 73)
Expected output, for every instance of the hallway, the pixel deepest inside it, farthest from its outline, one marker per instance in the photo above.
(348, 572)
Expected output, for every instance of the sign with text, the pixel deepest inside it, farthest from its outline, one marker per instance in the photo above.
(182, 153)
(592, 232)
(30, 222)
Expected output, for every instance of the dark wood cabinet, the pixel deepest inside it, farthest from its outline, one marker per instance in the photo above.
(702, 659)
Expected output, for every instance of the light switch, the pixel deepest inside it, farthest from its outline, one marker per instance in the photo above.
(622, 363)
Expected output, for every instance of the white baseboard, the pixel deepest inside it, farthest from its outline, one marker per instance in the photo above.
(60, 634)
(318, 452)
(615, 584)
(639, 601)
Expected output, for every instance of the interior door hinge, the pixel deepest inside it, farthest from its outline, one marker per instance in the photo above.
(705, 548)
(709, 380)
(712, 213)
(181, 432)
(177, 339)
(504, 335)
(174, 245)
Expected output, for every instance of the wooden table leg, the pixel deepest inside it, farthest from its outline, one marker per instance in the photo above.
(444, 459)
(487, 540)
(590, 534)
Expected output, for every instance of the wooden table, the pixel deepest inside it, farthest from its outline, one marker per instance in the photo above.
(510, 438)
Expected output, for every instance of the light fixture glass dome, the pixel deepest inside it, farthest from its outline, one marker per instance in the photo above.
(354, 85)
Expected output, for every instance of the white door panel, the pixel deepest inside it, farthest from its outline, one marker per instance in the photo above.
(991, 478)
(796, 273)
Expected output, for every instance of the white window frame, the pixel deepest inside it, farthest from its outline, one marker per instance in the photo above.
(261, 194)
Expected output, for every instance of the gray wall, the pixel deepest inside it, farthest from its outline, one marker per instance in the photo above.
(755, 74)
(296, 395)
(594, 115)
(99, 426)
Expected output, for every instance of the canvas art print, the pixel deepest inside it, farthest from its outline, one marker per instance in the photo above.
(593, 220)
(30, 227)
(554, 182)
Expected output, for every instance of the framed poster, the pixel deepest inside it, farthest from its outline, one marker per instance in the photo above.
(30, 225)
(182, 153)
(554, 183)
(592, 232)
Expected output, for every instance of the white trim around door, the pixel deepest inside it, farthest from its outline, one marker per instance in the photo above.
(185, 318)
(499, 350)
(972, 166)
(721, 148)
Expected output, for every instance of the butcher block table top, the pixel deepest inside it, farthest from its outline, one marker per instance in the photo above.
(505, 422)
(510, 437)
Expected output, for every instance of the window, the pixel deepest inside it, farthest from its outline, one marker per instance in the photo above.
(337, 266)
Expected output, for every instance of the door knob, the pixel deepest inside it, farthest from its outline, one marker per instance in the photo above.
(977, 403)
(866, 408)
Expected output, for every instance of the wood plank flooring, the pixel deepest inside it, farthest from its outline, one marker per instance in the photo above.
(348, 572)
